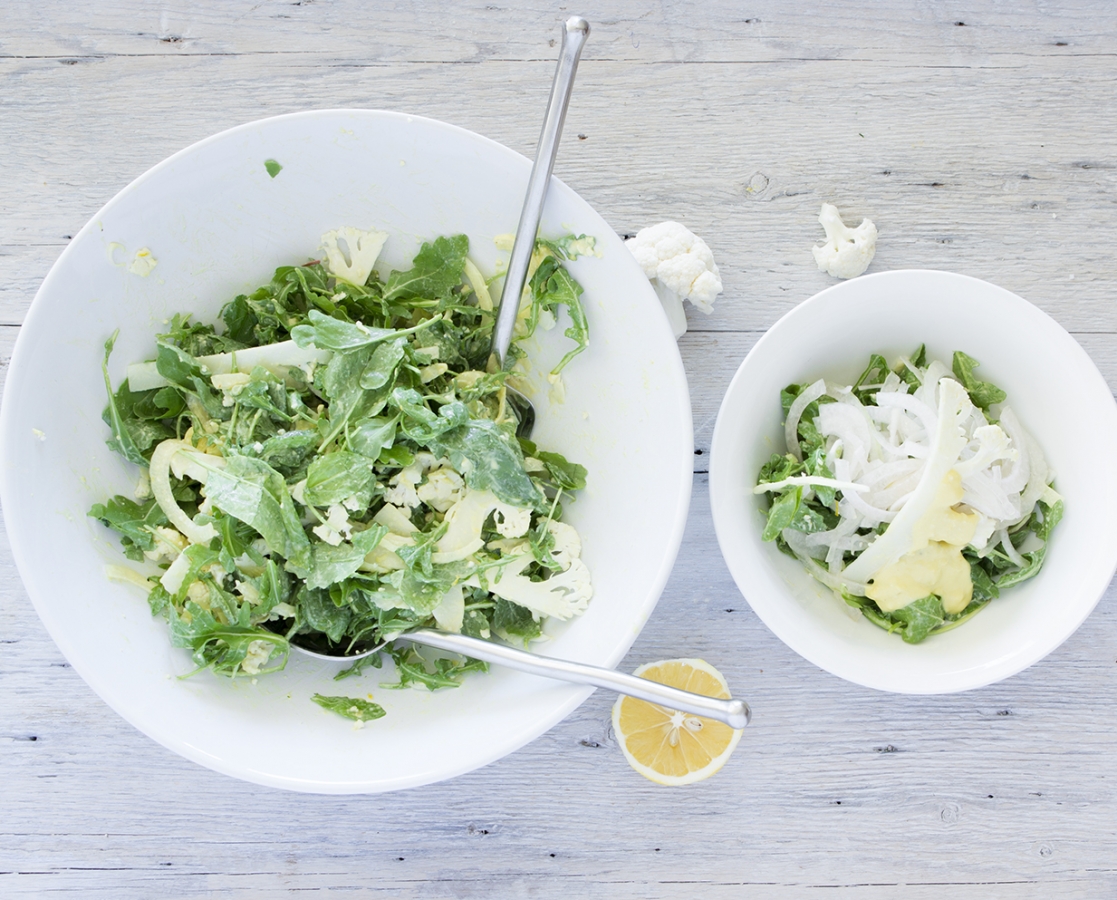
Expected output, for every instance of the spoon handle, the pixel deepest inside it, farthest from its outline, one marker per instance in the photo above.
(574, 33)
(734, 713)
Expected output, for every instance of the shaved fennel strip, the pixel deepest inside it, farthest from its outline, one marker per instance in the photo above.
(160, 474)
(809, 480)
(948, 443)
(795, 412)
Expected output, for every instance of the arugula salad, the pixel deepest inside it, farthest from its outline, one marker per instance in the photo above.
(335, 463)
(914, 493)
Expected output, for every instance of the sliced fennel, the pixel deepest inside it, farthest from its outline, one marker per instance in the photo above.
(859, 496)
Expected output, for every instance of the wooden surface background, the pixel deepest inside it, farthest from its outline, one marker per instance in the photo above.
(978, 138)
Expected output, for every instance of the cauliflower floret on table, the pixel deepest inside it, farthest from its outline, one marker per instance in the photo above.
(847, 252)
(680, 266)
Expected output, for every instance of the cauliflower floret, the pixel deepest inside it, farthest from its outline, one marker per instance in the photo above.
(680, 266)
(442, 489)
(169, 543)
(512, 521)
(336, 528)
(401, 486)
(846, 252)
(143, 486)
(354, 263)
(568, 543)
(563, 595)
(259, 652)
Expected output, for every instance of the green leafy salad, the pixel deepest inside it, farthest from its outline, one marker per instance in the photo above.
(336, 463)
(915, 493)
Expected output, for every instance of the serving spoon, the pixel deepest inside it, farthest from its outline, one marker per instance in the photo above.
(575, 31)
(734, 713)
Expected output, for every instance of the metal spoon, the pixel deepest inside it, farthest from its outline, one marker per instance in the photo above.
(574, 33)
(734, 713)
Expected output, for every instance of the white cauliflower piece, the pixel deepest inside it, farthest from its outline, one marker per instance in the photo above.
(169, 543)
(401, 486)
(354, 262)
(847, 252)
(336, 528)
(258, 653)
(568, 543)
(512, 521)
(143, 486)
(442, 489)
(563, 595)
(680, 266)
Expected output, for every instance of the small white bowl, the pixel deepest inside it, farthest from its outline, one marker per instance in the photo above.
(218, 225)
(1053, 386)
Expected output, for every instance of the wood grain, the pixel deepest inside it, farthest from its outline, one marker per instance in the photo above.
(976, 137)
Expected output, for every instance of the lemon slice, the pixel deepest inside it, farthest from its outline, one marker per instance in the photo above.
(671, 747)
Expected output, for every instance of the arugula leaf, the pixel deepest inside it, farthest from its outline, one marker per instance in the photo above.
(290, 452)
(566, 475)
(121, 440)
(436, 269)
(412, 670)
(358, 668)
(783, 512)
(327, 333)
(132, 520)
(350, 707)
(514, 621)
(422, 425)
(252, 491)
(341, 475)
(569, 246)
(217, 645)
(552, 286)
(919, 619)
(322, 614)
(491, 459)
(381, 367)
(982, 393)
(176, 365)
(373, 436)
(330, 564)
(874, 373)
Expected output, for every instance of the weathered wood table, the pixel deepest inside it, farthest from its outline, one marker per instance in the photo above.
(980, 141)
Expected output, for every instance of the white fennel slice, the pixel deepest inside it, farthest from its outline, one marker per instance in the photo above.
(949, 441)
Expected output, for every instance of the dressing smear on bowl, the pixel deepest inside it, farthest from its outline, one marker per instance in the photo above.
(914, 493)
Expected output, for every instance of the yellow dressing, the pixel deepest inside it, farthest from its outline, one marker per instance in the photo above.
(934, 564)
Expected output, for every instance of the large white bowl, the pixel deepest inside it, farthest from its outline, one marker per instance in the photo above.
(1052, 385)
(218, 225)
